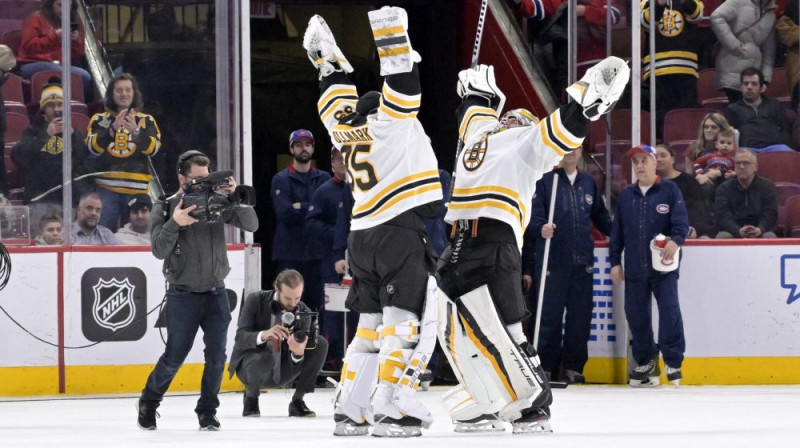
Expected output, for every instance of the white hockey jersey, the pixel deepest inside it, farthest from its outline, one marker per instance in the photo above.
(390, 163)
(497, 172)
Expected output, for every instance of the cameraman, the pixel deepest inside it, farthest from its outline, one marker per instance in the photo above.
(195, 265)
(267, 354)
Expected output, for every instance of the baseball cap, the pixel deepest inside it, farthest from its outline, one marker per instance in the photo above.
(140, 201)
(646, 149)
(300, 133)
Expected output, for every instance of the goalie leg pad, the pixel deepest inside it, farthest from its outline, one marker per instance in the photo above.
(390, 30)
(501, 365)
(405, 351)
(322, 50)
(601, 87)
(359, 375)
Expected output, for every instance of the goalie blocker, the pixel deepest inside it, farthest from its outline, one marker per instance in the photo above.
(498, 380)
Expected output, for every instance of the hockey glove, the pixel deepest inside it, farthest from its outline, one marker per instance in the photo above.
(479, 81)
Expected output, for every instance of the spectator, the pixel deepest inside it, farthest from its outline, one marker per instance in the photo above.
(7, 63)
(50, 231)
(38, 154)
(321, 229)
(579, 204)
(746, 206)
(292, 190)
(706, 142)
(122, 139)
(788, 31)
(40, 47)
(436, 227)
(706, 40)
(265, 354)
(137, 231)
(746, 33)
(712, 169)
(761, 120)
(86, 230)
(645, 209)
(697, 204)
(676, 55)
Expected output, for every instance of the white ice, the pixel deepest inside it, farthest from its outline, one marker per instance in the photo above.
(583, 416)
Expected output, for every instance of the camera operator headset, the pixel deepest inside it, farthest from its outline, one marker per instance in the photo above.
(193, 248)
(278, 342)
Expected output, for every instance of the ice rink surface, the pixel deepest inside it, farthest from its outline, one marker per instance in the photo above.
(583, 416)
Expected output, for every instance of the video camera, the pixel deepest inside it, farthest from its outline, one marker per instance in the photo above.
(212, 203)
(301, 324)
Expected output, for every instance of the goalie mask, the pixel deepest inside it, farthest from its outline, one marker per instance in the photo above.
(518, 117)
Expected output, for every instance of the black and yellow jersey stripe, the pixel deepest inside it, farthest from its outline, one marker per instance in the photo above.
(397, 191)
(473, 116)
(555, 135)
(337, 97)
(398, 105)
(492, 196)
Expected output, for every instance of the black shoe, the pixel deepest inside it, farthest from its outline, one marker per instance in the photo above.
(208, 421)
(147, 415)
(251, 407)
(298, 408)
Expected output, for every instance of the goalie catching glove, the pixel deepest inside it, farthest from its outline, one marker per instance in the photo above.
(479, 81)
(601, 87)
(322, 49)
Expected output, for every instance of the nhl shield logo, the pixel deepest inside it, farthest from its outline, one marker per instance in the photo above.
(113, 303)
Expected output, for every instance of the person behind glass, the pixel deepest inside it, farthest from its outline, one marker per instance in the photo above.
(321, 229)
(39, 154)
(7, 63)
(40, 45)
(706, 141)
(267, 354)
(697, 205)
(86, 229)
(50, 231)
(195, 267)
(787, 29)
(122, 139)
(569, 282)
(645, 209)
(761, 120)
(292, 190)
(138, 230)
(712, 169)
(746, 206)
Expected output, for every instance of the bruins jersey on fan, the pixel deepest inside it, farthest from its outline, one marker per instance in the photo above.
(390, 163)
(676, 40)
(497, 170)
(122, 155)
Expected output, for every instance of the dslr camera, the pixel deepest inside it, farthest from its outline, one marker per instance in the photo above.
(212, 202)
(301, 324)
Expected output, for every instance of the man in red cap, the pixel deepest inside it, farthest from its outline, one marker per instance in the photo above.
(645, 209)
(291, 191)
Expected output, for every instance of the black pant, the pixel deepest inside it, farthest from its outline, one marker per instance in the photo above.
(672, 92)
(256, 370)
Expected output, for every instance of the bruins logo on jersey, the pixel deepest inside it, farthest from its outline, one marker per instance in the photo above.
(671, 23)
(473, 157)
(54, 145)
(123, 146)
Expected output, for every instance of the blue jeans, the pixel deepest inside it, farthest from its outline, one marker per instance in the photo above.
(28, 70)
(186, 312)
(115, 209)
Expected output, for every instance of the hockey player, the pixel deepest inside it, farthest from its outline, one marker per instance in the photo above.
(393, 172)
(481, 306)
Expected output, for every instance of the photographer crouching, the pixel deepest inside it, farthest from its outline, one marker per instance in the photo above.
(277, 342)
(187, 231)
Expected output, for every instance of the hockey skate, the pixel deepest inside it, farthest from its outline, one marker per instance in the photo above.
(386, 426)
(646, 375)
(674, 375)
(574, 377)
(322, 50)
(601, 87)
(481, 423)
(345, 426)
(533, 420)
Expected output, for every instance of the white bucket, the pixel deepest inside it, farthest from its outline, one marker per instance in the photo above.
(335, 297)
(658, 263)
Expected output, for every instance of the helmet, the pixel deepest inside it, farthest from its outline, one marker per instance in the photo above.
(523, 116)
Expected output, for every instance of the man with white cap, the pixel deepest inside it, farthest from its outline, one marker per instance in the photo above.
(137, 231)
(645, 209)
